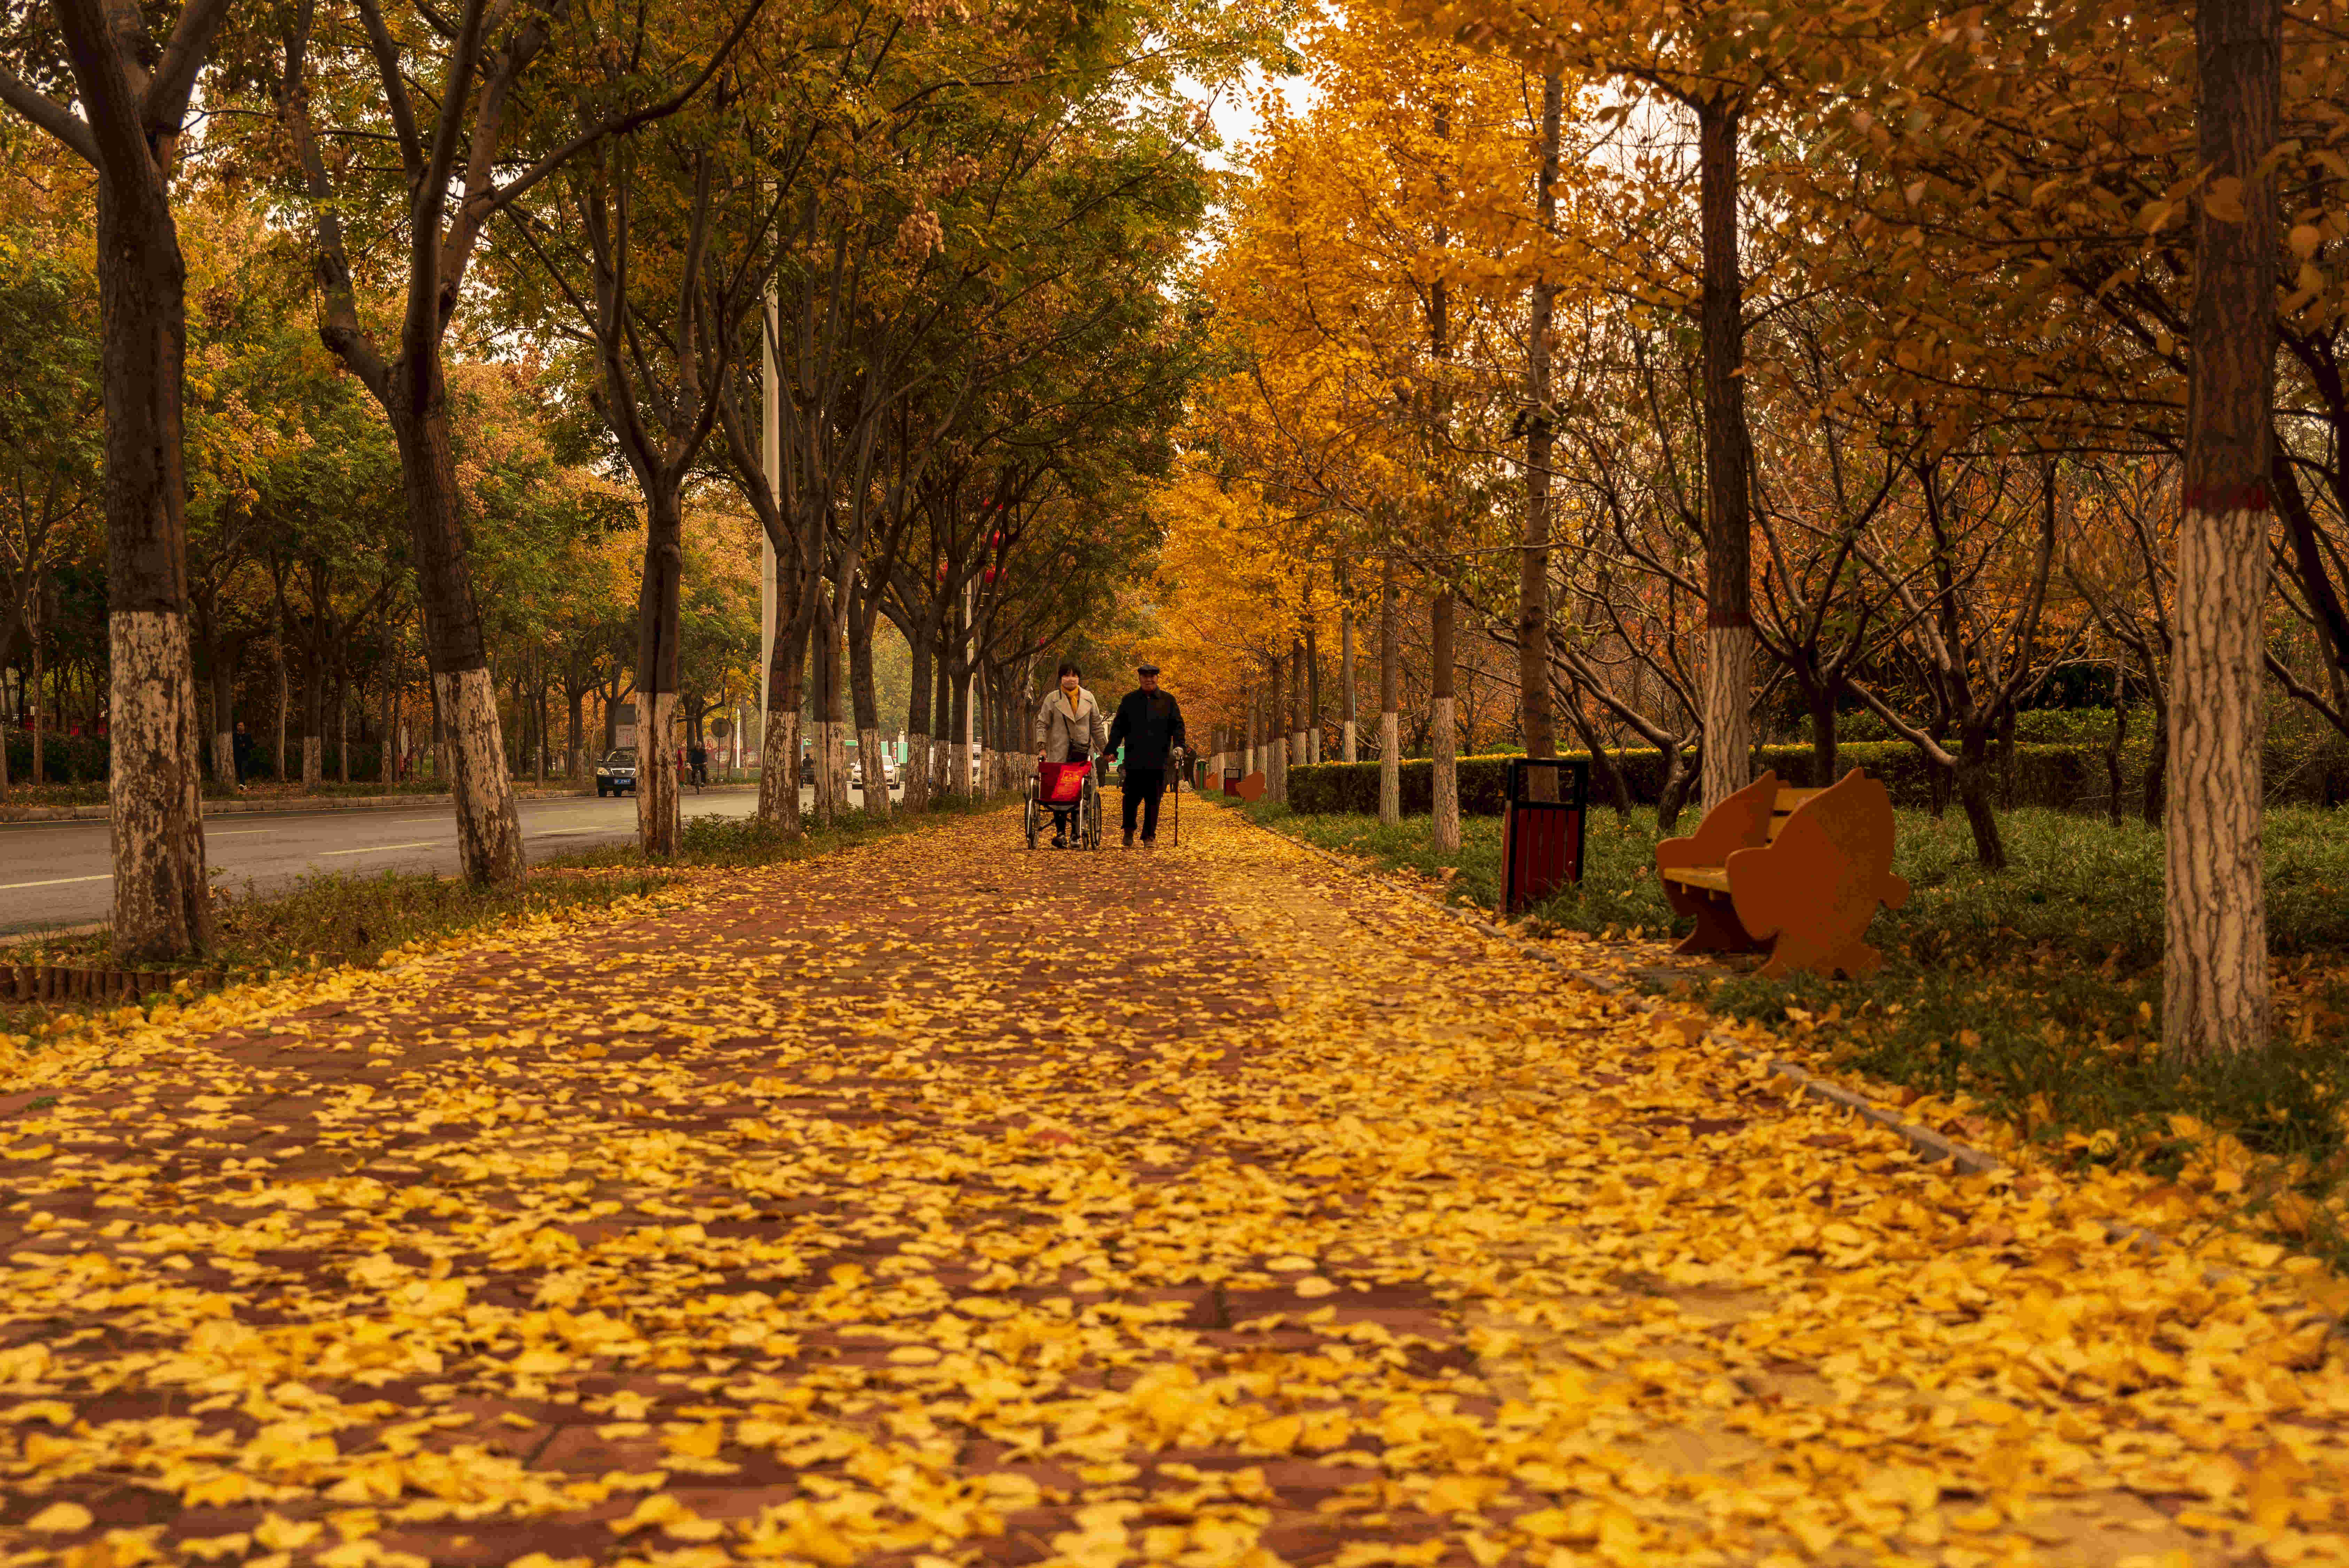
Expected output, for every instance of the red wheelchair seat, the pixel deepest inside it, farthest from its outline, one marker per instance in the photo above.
(1062, 783)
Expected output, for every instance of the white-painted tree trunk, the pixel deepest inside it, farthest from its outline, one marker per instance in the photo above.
(916, 773)
(1728, 760)
(2215, 973)
(657, 806)
(778, 772)
(1442, 723)
(876, 773)
(1389, 768)
(489, 833)
(827, 803)
(162, 904)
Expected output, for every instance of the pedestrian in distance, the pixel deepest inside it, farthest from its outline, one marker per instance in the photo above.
(1068, 729)
(241, 746)
(697, 760)
(1149, 724)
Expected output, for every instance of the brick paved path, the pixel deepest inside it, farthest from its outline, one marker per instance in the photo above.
(943, 1203)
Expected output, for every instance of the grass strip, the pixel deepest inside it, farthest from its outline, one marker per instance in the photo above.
(334, 919)
(2030, 997)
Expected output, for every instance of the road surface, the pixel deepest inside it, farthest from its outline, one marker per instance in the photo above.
(61, 873)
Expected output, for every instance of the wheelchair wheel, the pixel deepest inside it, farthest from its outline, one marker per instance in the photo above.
(1092, 815)
(1032, 816)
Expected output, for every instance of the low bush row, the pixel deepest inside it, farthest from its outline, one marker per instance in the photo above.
(2062, 776)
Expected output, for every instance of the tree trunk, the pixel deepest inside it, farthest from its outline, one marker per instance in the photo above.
(2006, 756)
(942, 724)
(575, 732)
(2215, 966)
(867, 705)
(658, 592)
(1728, 457)
(1605, 774)
(314, 720)
(917, 719)
(36, 698)
(1444, 730)
(1673, 795)
(958, 724)
(1973, 784)
(2113, 747)
(489, 833)
(284, 706)
(1389, 705)
(1823, 731)
(1534, 721)
(224, 719)
(1301, 684)
(162, 903)
(1312, 692)
(779, 732)
(1349, 738)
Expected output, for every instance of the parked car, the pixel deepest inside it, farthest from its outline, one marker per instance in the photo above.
(888, 770)
(617, 773)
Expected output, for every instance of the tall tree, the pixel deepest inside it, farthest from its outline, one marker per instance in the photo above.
(2215, 972)
(133, 92)
(362, 70)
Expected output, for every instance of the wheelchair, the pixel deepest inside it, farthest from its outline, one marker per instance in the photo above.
(1062, 785)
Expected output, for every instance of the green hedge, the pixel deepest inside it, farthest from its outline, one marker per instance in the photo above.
(2062, 776)
(65, 759)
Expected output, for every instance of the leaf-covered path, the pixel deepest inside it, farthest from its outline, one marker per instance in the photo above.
(941, 1203)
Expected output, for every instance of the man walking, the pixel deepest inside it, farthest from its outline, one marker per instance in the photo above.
(1150, 724)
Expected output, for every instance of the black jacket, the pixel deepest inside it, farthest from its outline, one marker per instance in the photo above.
(1150, 724)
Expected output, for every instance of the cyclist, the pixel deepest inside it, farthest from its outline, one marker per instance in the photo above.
(1068, 729)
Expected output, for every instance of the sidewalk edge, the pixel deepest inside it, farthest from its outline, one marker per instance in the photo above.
(1931, 1147)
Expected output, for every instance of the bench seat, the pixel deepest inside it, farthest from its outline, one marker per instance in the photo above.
(1796, 874)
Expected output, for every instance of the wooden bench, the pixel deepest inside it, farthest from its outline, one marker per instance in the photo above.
(1793, 873)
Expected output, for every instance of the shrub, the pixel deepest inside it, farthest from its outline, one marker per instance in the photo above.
(2065, 777)
(65, 759)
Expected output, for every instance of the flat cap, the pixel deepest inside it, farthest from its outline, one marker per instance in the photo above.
(1147, 669)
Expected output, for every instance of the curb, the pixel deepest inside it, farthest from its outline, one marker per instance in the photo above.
(302, 805)
(1931, 1147)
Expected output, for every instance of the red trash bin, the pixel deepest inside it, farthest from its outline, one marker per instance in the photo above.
(1541, 839)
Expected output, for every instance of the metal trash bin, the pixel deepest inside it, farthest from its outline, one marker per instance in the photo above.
(1541, 840)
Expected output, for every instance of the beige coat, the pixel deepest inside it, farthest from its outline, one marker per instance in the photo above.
(1057, 728)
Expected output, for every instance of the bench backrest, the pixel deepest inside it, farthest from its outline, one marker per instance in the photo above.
(1789, 801)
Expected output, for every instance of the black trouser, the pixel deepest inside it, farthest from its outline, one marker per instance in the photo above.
(1064, 814)
(1143, 789)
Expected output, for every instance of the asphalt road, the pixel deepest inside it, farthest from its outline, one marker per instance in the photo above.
(61, 873)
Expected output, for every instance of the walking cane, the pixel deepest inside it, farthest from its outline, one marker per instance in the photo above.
(1178, 806)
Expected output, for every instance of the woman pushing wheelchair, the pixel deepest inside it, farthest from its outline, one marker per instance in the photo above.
(1068, 729)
